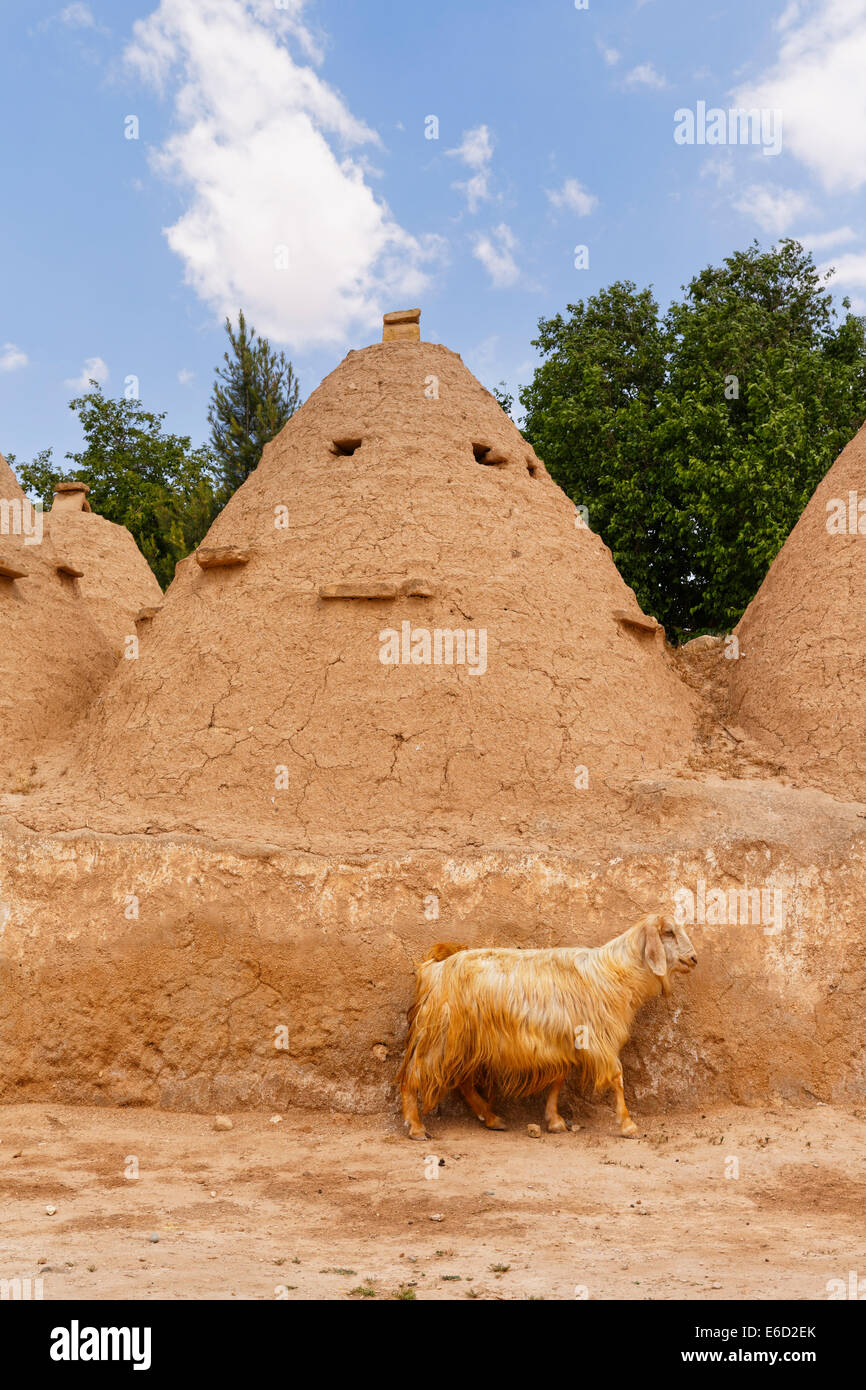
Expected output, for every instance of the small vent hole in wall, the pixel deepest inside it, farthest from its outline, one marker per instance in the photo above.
(345, 448)
(490, 457)
(530, 468)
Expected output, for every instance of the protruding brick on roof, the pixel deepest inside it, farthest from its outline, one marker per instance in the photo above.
(402, 325)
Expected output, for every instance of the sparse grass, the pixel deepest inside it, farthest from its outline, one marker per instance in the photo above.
(500, 1269)
(363, 1291)
(345, 1272)
(405, 1294)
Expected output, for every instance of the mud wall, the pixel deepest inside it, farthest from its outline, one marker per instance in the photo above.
(163, 971)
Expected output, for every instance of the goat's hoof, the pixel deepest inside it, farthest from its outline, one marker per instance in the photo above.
(557, 1126)
(495, 1123)
(418, 1134)
(628, 1131)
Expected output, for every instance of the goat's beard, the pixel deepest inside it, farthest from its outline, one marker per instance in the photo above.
(666, 985)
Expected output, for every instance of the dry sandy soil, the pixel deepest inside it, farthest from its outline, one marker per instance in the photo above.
(337, 1207)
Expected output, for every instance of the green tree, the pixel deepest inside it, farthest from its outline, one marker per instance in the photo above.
(255, 393)
(156, 484)
(589, 414)
(696, 439)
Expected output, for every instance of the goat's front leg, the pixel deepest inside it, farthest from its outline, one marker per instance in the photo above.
(627, 1125)
(479, 1106)
(554, 1121)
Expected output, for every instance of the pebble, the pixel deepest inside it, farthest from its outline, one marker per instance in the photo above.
(276, 1119)
(436, 1216)
(50, 1211)
(154, 1239)
(222, 1122)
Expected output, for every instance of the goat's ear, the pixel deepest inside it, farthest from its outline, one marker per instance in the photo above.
(653, 950)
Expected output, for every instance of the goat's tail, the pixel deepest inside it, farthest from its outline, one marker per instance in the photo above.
(443, 949)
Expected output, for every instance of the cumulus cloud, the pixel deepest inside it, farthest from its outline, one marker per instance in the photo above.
(773, 208)
(185, 376)
(817, 82)
(495, 252)
(850, 269)
(819, 241)
(12, 358)
(645, 75)
(279, 216)
(94, 369)
(574, 196)
(476, 152)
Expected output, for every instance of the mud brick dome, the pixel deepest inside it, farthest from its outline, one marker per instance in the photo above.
(800, 683)
(54, 657)
(399, 494)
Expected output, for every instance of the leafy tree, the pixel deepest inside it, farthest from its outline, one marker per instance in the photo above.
(696, 439)
(255, 393)
(154, 483)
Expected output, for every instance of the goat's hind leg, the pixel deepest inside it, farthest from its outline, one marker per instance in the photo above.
(479, 1106)
(409, 1097)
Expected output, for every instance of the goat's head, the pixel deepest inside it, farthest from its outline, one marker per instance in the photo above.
(667, 949)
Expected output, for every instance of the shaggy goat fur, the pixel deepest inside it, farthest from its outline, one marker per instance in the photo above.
(524, 1017)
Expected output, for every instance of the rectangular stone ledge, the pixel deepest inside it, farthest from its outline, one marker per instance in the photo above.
(359, 588)
(221, 557)
(639, 621)
(378, 589)
(10, 571)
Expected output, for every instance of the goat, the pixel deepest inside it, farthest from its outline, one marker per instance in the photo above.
(523, 1018)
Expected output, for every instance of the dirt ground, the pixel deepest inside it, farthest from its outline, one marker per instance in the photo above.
(323, 1206)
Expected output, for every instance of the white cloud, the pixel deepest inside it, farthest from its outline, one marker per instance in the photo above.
(817, 83)
(78, 16)
(819, 241)
(773, 208)
(850, 269)
(719, 167)
(94, 369)
(574, 196)
(185, 376)
(276, 220)
(494, 251)
(476, 152)
(610, 55)
(645, 75)
(12, 358)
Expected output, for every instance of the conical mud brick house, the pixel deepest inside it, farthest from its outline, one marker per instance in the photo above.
(800, 684)
(401, 694)
(394, 632)
(53, 656)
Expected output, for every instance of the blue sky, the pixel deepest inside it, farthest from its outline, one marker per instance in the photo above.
(282, 164)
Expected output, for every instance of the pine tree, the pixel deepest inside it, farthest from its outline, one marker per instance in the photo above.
(255, 393)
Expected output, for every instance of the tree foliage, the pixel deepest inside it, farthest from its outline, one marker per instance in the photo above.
(695, 439)
(255, 393)
(156, 484)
